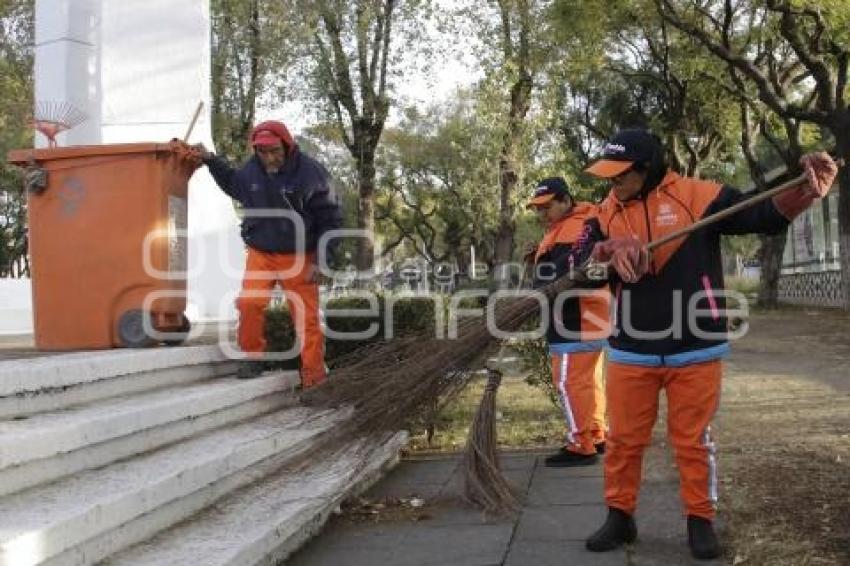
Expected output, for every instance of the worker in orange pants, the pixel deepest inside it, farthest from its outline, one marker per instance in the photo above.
(578, 378)
(296, 275)
(669, 317)
(288, 205)
(578, 325)
(693, 393)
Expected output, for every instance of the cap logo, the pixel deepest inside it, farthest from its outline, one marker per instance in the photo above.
(540, 190)
(615, 148)
(666, 216)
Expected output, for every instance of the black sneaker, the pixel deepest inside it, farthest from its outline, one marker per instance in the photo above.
(619, 528)
(565, 458)
(701, 538)
(600, 447)
(250, 369)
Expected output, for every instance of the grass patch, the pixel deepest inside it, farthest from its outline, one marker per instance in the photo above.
(746, 286)
(526, 419)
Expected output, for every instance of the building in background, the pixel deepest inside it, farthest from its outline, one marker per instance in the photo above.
(811, 273)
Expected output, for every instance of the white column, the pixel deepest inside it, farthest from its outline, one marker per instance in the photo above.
(67, 63)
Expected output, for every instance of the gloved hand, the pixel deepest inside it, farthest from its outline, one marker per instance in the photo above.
(628, 256)
(530, 253)
(202, 150)
(821, 171)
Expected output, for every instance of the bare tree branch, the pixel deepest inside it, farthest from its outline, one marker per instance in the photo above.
(767, 91)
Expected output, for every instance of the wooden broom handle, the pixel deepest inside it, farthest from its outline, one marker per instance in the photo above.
(718, 216)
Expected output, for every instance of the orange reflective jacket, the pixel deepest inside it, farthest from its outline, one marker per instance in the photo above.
(678, 307)
(580, 317)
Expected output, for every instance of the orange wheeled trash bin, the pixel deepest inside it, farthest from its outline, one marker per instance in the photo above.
(108, 252)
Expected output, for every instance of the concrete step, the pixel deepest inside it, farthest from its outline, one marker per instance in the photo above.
(50, 446)
(53, 382)
(266, 522)
(49, 434)
(86, 517)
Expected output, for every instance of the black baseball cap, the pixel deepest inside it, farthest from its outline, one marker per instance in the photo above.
(547, 189)
(626, 148)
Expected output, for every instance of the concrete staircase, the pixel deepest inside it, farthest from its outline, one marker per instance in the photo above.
(162, 457)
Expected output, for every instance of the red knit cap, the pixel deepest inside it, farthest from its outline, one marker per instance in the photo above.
(272, 132)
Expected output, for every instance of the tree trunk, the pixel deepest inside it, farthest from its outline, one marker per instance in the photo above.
(770, 258)
(842, 139)
(364, 257)
(504, 248)
(504, 244)
(509, 177)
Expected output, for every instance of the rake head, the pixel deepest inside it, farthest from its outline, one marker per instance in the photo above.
(51, 117)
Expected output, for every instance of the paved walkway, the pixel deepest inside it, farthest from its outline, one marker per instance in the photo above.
(562, 506)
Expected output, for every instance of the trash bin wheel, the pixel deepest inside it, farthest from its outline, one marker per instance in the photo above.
(131, 329)
(183, 332)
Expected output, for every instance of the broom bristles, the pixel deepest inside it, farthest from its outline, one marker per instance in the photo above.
(485, 484)
(399, 380)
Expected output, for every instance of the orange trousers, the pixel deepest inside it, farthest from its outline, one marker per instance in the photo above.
(693, 393)
(578, 379)
(262, 271)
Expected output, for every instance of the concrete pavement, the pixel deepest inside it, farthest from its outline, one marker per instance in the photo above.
(561, 508)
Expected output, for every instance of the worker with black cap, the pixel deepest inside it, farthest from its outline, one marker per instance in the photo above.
(669, 328)
(578, 325)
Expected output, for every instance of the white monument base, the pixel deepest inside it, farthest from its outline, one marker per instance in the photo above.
(15, 306)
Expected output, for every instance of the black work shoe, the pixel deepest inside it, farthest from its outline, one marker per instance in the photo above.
(565, 458)
(701, 538)
(250, 369)
(619, 528)
(600, 447)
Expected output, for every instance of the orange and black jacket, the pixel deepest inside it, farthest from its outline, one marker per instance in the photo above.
(650, 318)
(580, 322)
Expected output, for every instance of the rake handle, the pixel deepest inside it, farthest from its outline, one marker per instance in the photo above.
(192, 123)
(718, 216)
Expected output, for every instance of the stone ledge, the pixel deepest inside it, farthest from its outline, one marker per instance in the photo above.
(19, 377)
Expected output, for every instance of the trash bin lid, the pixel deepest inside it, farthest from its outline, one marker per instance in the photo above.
(22, 156)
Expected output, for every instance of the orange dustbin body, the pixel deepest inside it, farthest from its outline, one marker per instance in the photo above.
(107, 240)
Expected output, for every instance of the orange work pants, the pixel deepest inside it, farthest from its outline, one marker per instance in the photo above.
(578, 379)
(262, 271)
(693, 393)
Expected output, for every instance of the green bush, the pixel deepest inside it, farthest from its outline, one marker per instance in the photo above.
(280, 336)
(536, 362)
(746, 286)
(411, 314)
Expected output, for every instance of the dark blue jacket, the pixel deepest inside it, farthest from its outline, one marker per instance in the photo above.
(302, 185)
